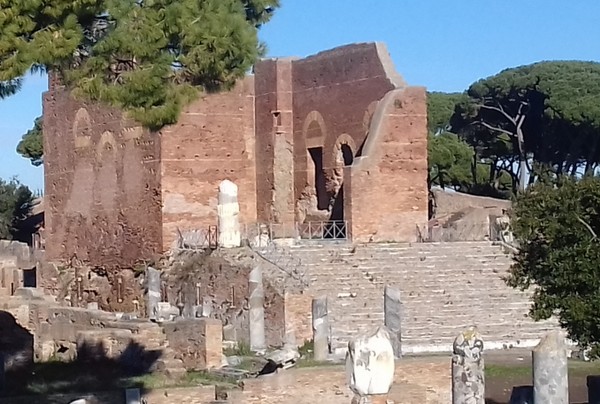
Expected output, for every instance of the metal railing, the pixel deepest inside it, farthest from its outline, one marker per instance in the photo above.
(261, 234)
(495, 229)
(330, 230)
(197, 239)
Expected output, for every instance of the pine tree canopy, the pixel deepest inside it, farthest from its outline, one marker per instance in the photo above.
(149, 57)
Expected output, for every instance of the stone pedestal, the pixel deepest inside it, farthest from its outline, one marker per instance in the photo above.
(392, 317)
(370, 364)
(593, 385)
(133, 396)
(320, 326)
(550, 370)
(373, 399)
(228, 211)
(153, 292)
(197, 342)
(468, 376)
(257, 310)
(521, 395)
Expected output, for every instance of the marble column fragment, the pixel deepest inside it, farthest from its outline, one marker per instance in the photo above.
(468, 376)
(392, 317)
(550, 370)
(228, 212)
(257, 310)
(320, 326)
(153, 292)
(370, 366)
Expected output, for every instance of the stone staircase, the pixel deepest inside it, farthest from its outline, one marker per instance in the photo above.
(445, 287)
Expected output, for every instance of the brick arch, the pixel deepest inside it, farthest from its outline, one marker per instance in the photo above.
(106, 139)
(312, 118)
(82, 129)
(338, 149)
(106, 182)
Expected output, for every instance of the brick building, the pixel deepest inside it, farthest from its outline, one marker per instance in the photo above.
(337, 136)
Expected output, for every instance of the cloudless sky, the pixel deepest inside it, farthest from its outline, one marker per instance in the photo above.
(444, 45)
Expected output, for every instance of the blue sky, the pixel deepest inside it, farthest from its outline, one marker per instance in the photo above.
(440, 44)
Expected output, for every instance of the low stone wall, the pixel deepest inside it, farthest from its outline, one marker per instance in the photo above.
(177, 395)
(36, 329)
(198, 343)
(217, 283)
(108, 397)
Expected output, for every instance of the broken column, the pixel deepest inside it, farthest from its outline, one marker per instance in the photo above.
(320, 326)
(228, 211)
(392, 318)
(370, 366)
(468, 378)
(257, 310)
(153, 292)
(550, 370)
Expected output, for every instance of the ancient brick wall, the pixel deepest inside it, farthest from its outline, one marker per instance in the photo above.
(221, 279)
(265, 82)
(335, 93)
(386, 188)
(102, 185)
(298, 317)
(212, 141)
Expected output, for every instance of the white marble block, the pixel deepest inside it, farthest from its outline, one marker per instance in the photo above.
(370, 363)
(228, 212)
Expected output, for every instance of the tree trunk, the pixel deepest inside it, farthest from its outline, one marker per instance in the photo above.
(522, 159)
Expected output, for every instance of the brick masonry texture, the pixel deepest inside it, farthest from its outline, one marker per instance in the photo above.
(118, 193)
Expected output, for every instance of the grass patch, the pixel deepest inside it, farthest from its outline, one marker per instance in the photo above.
(241, 349)
(506, 371)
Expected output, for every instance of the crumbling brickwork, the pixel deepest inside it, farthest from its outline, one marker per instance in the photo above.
(102, 184)
(334, 136)
(213, 141)
(386, 199)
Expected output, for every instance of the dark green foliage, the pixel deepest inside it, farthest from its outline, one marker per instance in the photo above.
(546, 114)
(449, 160)
(15, 205)
(440, 108)
(557, 227)
(452, 161)
(149, 57)
(31, 145)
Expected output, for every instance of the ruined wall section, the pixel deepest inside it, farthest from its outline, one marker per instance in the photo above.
(102, 186)
(335, 93)
(212, 141)
(274, 141)
(386, 187)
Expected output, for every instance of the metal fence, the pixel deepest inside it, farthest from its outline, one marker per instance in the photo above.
(262, 234)
(197, 239)
(497, 228)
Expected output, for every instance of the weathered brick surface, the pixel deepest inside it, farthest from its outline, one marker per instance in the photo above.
(223, 278)
(198, 342)
(212, 141)
(102, 184)
(332, 94)
(386, 187)
(117, 193)
(298, 317)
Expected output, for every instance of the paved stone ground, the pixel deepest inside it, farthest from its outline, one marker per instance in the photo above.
(417, 381)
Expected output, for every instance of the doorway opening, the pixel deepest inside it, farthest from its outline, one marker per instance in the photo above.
(318, 177)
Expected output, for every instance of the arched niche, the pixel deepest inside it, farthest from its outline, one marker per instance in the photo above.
(82, 129)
